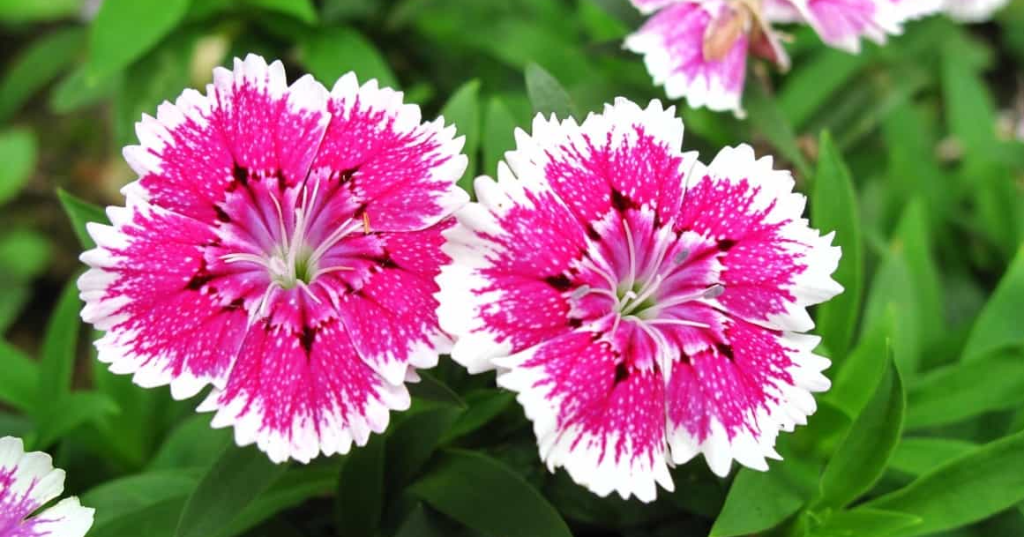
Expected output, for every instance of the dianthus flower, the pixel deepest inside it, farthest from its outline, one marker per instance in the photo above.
(28, 481)
(698, 49)
(281, 244)
(646, 308)
(844, 23)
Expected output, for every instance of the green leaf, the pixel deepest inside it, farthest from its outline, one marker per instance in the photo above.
(863, 455)
(360, 500)
(122, 498)
(913, 236)
(964, 490)
(193, 444)
(483, 406)
(916, 456)
(232, 483)
(834, 208)
(547, 95)
(425, 522)
(36, 66)
(429, 388)
(18, 154)
(759, 501)
(79, 90)
(510, 507)
(294, 487)
(24, 254)
(21, 377)
(768, 119)
(998, 325)
(300, 9)
(498, 136)
(57, 363)
(463, 109)
(16, 295)
(860, 373)
(156, 520)
(23, 11)
(970, 111)
(964, 390)
(808, 88)
(124, 30)
(63, 416)
(81, 212)
(332, 52)
(864, 523)
(412, 442)
(892, 290)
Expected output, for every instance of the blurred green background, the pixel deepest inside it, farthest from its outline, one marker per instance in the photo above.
(908, 151)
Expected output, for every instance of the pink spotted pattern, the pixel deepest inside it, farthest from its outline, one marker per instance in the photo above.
(645, 307)
(281, 244)
(28, 481)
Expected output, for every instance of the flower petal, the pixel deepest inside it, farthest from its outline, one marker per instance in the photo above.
(729, 402)
(150, 289)
(392, 319)
(650, 6)
(249, 123)
(773, 264)
(603, 423)
(501, 293)
(66, 519)
(296, 395)
(625, 156)
(27, 482)
(843, 23)
(672, 43)
(404, 171)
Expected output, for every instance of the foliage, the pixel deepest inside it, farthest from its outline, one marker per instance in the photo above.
(902, 151)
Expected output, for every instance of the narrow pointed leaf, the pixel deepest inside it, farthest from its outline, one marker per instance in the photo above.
(834, 208)
(863, 455)
(487, 496)
(238, 478)
(967, 489)
(547, 95)
(999, 325)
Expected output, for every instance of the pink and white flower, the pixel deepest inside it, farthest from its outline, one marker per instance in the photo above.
(647, 308)
(281, 244)
(698, 49)
(844, 23)
(28, 482)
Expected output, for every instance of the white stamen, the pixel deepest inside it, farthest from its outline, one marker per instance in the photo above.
(632, 253)
(709, 293)
(680, 322)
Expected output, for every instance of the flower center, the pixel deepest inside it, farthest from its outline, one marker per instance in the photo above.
(651, 281)
(297, 249)
(288, 269)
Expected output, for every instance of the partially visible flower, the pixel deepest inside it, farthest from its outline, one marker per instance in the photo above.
(646, 308)
(915, 9)
(842, 23)
(973, 10)
(28, 481)
(281, 244)
(698, 49)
